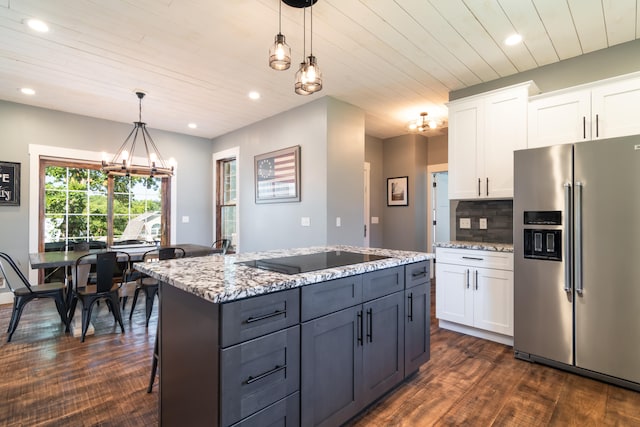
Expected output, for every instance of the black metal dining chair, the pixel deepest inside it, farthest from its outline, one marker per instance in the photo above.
(109, 278)
(150, 285)
(222, 246)
(28, 292)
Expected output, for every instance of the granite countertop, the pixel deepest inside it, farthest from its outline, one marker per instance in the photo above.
(218, 278)
(482, 246)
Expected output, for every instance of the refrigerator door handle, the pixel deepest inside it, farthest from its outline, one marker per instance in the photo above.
(578, 234)
(568, 267)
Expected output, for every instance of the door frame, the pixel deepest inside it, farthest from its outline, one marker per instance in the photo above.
(431, 169)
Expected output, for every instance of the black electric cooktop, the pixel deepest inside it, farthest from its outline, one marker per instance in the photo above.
(311, 262)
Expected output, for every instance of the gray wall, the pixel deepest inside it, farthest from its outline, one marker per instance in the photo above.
(405, 226)
(328, 131)
(601, 64)
(377, 189)
(21, 125)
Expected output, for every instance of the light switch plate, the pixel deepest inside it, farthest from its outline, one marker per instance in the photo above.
(305, 221)
(185, 219)
(338, 221)
(465, 223)
(483, 223)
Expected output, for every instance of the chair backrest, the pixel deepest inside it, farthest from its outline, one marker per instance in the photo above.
(5, 262)
(222, 244)
(163, 253)
(107, 268)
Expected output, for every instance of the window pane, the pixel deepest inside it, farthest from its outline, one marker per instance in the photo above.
(228, 222)
(98, 204)
(98, 227)
(229, 182)
(77, 202)
(78, 179)
(55, 201)
(121, 204)
(98, 181)
(55, 228)
(77, 227)
(56, 177)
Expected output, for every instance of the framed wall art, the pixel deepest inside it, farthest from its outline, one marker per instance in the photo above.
(9, 184)
(398, 191)
(277, 176)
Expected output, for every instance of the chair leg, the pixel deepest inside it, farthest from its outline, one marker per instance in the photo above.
(133, 304)
(62, 310)
(154, 364)
(124, 302)
(18, 306)
(150, 296)
(87, 307)
(72, 309)
(115, 309)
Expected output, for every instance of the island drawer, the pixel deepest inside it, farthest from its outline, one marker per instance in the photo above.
(379, 283)
(253, 317)
(285, 412)
(257, 373)
(327, 297)
(416, 274)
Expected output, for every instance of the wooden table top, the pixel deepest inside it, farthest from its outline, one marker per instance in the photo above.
(67, 258)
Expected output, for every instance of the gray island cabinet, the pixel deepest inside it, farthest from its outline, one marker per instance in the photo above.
(240, 346)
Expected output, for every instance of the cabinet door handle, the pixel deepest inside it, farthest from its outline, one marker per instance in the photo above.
(370, 325)
(597, 126)
(487, 186)
(410, 307)
(418, 274)
(252, 379)
(359, 327)
(478, 187)
(265, 316)
(476, 280)
(467, 278)
(584, 127)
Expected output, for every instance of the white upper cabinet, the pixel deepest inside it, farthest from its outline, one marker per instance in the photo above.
(598, 110)
(484, 130)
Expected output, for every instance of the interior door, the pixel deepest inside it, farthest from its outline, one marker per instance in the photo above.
(607, 312)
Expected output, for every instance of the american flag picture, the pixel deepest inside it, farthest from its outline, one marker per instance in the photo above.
(277, 176)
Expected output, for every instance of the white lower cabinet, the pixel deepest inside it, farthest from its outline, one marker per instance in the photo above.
(474, 292)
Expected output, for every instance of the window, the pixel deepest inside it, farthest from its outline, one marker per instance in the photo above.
(226, 200)
(80, 203)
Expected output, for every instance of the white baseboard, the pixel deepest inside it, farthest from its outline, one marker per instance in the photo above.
(480, 333)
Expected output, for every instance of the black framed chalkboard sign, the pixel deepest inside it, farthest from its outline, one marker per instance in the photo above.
(9, 184)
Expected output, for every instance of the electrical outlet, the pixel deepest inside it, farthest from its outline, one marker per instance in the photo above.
(483, 223)
(375, 220)
(185, 219)
(305, 221)
(465, 223)
(338, 221)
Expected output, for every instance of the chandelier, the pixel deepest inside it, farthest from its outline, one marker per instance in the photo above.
(122, 162)
(423, 124)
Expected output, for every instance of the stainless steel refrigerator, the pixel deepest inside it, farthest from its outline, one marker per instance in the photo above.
(577, 258)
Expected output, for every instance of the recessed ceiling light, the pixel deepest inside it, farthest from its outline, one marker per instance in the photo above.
(254, 95)
(27, 91)
(38, 25)
(192, 125)
(513, 39)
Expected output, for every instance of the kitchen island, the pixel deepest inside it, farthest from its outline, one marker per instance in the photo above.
(244, 346)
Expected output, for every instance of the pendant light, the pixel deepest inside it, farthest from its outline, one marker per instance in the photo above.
(280, 52)
(301, 74)
(313, 81)
(122, 162)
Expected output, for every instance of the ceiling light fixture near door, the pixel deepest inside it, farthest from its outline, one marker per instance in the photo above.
(309, 77)
(122, 162)
(280, 52)
(423, 123)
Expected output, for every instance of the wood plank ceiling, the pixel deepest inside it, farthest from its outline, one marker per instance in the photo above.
(198, 59)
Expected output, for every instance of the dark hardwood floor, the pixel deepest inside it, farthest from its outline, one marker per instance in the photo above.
(51, 379)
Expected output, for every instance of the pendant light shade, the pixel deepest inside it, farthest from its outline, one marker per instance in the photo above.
(309, 77)
(122, 162)
(301, 79)
(280, 52)
(312, 81)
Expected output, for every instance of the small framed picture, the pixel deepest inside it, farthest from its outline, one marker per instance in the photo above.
(277, 176)
(398, 191)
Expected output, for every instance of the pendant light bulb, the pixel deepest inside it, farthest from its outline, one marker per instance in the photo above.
(280, 52)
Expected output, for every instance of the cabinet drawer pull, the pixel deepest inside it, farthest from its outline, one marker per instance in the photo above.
(252, 379)
(370, 325)
(359, 327)
(473, 258)
(410, 307)
(265, 316)
(418, 274)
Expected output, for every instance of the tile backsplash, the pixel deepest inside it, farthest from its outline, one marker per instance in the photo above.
(499, 215)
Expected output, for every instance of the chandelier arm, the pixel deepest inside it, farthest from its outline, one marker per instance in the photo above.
(160, 159)
(117, 157)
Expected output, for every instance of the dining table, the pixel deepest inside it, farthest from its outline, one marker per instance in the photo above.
(67, 259)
